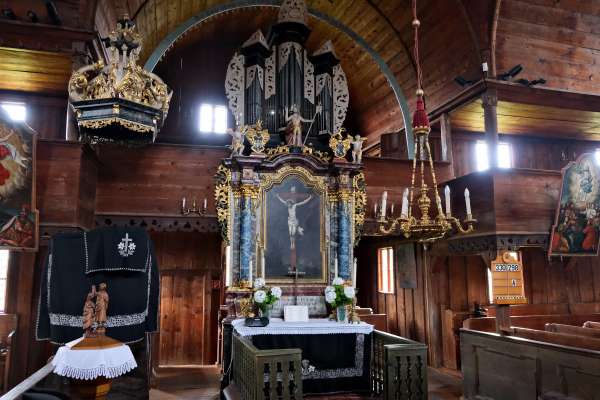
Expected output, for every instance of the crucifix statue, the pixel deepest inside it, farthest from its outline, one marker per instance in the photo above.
(292, 201)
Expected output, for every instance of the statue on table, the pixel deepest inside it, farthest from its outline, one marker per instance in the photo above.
(294, 227)
(89, 313)
(237, 140)
(293, 133)
(357, 149)
(101, 308)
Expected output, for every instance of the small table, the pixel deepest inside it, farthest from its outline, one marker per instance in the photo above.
(336, 357)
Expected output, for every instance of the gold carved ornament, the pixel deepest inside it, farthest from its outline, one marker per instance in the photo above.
(122, 77)
(258, 137)
(360, 205)
(338, 144)
(222, 192)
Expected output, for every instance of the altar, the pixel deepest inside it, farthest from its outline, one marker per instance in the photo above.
(336, 357)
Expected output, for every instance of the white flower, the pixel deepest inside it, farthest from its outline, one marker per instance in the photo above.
(349, 292)
(259, 282)
(276, 291)
(260, 296)
(338, 281)
(330, 297)
(329, 289)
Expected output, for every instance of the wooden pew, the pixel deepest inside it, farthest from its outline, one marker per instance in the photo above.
(591, 324)
(488, 324)
(562, 339)
(379, 321)
(573, 330)
(517, 368)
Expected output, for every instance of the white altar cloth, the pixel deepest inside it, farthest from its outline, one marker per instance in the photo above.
(314, 326)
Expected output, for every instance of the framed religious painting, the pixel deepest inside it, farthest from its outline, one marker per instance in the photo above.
(293, 228)
(576, 228)
(19, 219)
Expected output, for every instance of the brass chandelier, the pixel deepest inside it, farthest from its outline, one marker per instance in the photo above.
(422, 227)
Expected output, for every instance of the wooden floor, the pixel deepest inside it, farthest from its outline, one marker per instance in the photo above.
(203, 384)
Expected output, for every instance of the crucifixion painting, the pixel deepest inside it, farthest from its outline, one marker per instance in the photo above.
(293, 230)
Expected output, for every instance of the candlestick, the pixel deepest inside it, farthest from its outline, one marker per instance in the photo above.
(447, 196)
(404, 210)
(354, 273)
(383, 203)
(468, 203)
(335, 268)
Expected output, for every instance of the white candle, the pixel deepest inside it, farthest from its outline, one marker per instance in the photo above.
(468, 202)
(205, 203)
(263, 263)
(354, 273)
(447, 196)
(250, 271)
(375, 210)
(335, 271)
(183, 203)
(404, 211)
(383, 203)
(392, 210)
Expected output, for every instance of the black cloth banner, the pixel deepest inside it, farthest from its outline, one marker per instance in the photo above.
(134, 295)
(332, 363)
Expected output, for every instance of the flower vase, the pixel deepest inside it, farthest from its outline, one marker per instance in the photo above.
(265, 312)
(342, 314)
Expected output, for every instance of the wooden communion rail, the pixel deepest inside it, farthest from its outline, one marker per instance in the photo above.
(398, 370)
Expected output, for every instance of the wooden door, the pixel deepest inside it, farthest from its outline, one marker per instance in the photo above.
(189, 302)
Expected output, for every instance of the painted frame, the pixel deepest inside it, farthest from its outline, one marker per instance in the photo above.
(270, 182)
(576, 229)
(19, 218)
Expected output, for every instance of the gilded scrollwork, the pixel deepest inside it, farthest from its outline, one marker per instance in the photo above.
(222, 192)
(360, 204)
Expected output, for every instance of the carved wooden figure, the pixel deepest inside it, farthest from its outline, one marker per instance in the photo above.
(89, 313)
(101, 308)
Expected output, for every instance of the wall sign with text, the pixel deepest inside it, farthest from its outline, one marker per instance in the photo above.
(507, 279)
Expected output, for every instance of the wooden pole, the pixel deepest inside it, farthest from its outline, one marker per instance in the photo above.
(503, 319)
(490, 118)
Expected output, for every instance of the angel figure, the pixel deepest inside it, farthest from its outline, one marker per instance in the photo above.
(357, 149)
(101, 308)
(293, 134)
(237, 140)
(89, 313)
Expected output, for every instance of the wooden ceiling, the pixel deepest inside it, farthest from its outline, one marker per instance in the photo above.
(526, 119)
(34, 71)
(383, 24)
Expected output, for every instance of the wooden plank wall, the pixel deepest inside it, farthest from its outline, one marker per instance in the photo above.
(527, 152)
(189, 264)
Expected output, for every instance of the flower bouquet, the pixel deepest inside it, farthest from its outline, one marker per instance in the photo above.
(265, 297)
(340, 296)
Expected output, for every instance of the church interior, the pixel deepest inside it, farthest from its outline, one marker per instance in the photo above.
(287, 199)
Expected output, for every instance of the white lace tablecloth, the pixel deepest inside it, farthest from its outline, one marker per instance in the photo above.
(90, 364)
(315, 326)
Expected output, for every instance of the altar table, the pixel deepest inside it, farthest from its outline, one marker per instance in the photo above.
(336, 357)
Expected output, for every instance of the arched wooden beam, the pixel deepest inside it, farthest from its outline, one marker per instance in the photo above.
(172, 37)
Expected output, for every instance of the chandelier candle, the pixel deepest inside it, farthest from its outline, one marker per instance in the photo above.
(447, 197)
(468, 203)
(383, 203)
(404, 210)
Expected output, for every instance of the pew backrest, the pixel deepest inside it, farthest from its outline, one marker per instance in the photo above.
(573, 330)
(591, 324)
(562, 339)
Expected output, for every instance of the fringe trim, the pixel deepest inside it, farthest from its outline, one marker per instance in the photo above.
(93, 373)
